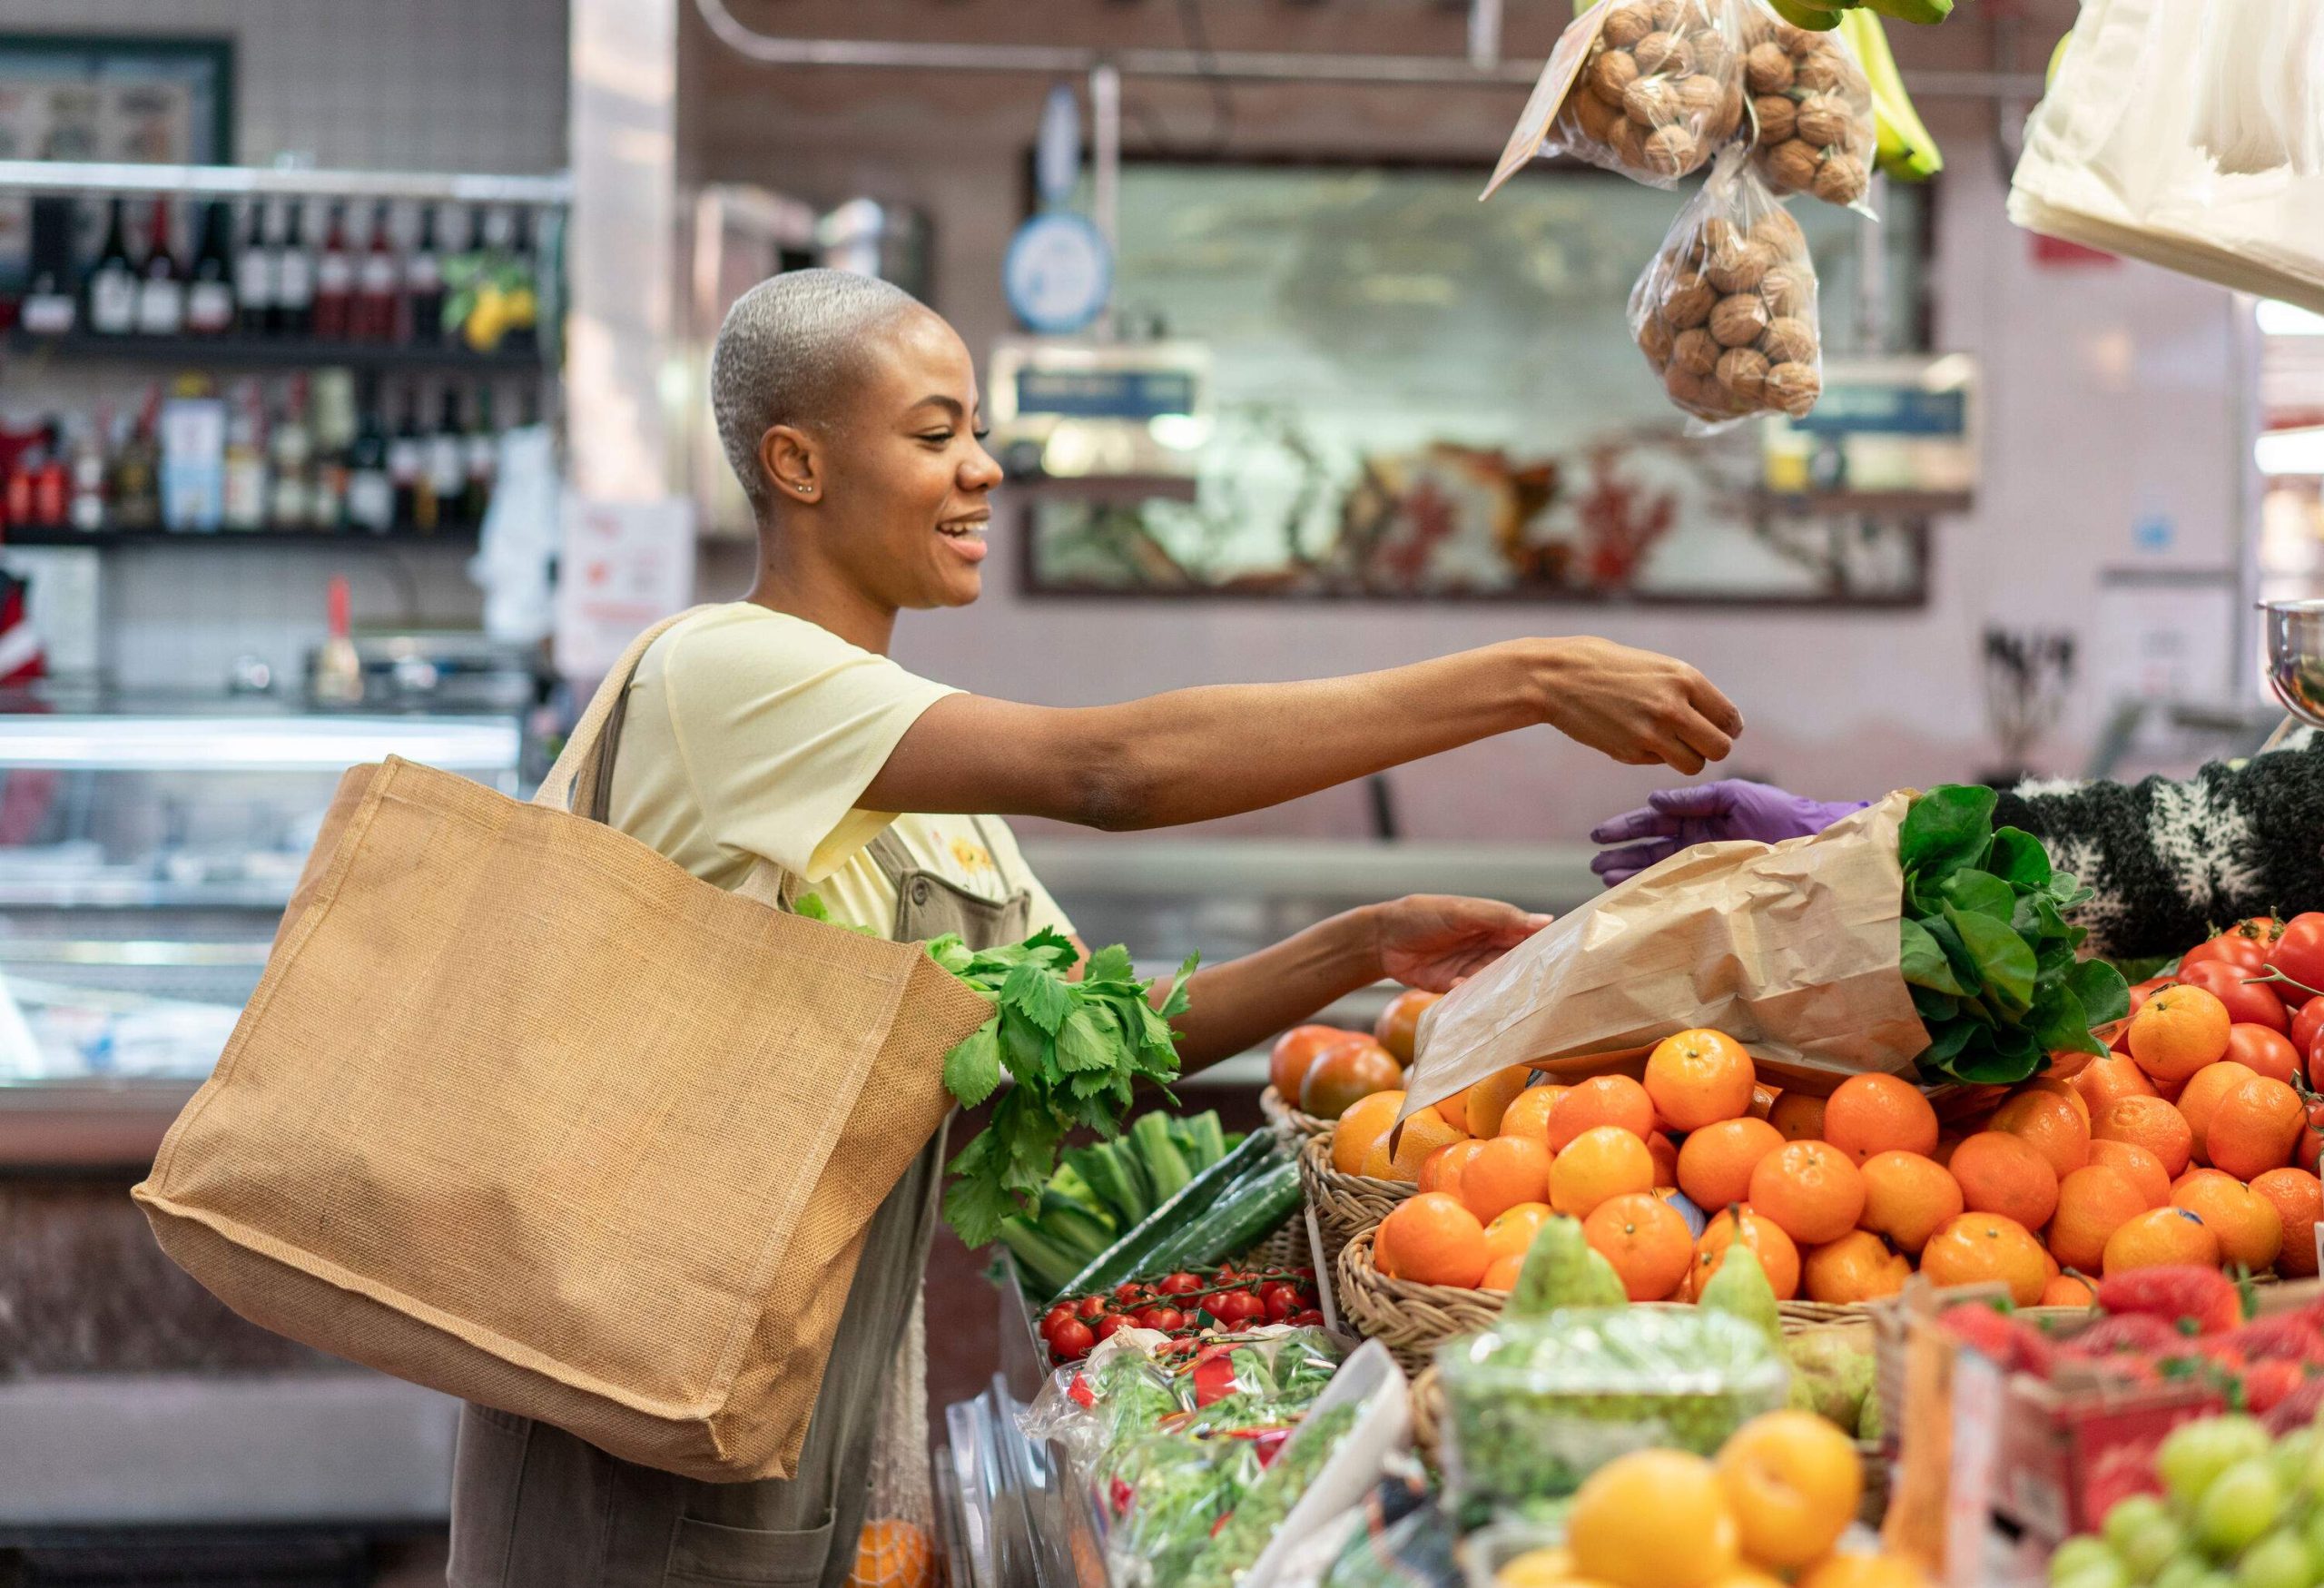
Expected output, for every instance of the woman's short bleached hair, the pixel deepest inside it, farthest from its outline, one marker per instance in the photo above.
(788, 347)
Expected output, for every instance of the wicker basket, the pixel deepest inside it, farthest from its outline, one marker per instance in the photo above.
(1410, 1320)
(1346, 1206)
(1287, 1121)
(1286, 1249)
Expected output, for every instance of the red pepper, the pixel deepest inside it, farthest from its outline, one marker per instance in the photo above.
(1079, 1393)
(1214, 1379)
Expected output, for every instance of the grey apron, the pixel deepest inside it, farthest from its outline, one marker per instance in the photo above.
(535, 1507)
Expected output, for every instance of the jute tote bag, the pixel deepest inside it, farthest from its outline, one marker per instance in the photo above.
(522, 1111)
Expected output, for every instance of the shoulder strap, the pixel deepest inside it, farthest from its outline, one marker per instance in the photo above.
(588, 759)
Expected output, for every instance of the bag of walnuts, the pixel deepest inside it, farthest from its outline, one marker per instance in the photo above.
(1811, 110)
(1660, 87)
(1726, 311)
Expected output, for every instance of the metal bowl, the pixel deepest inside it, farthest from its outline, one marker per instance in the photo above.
(2294, 631)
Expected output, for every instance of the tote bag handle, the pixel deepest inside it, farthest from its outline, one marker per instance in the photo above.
(586, 761)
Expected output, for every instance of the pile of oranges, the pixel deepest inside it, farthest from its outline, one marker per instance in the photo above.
(2177, 1150)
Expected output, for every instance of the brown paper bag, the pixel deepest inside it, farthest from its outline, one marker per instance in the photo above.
(1791, 949)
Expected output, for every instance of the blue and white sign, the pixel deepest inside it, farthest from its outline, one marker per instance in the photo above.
(1056, 152)
(1059, 274)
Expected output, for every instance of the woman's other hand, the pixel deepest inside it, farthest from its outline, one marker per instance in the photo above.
(1431, 941)
(1673, 819)
(1637, 707)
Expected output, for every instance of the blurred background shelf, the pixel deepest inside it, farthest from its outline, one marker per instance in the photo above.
(232, 352)
(461, 537)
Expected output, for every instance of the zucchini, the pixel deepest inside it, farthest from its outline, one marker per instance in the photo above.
(1158, 1150)
(1202, 1197)
(1236, 1221)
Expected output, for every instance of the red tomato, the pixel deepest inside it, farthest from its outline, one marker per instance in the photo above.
(1089, 1309)
(1164, 1319)
(2247, 955)
(1112, 1324)
(1071, 1340)
(2270, 1052)
(2247, 1003)
(1235, 1308)
(1311, 1319)
(1177, 1284)
(2299, 955)
(1294, 1051)
(1281, 1299)
(2306, 1021)
(1054, 1316)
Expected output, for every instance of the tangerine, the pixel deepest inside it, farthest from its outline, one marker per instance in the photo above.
(2002, 1173)
(1489, 1099)
(1507, 1170)
(1775, 1249)
(1398, 1026)
(1874, 1571)
(1652, 1519)
(1528, 1113)
(1456, 1110)
(1602, 1162)
(1859, 1267)
(1645, 1239)
(2151, 1123)
(1500, 1274)
(1431, 1239)
(1602, 1099)
(1512, 1234)
(1442, 1171)
(2299, 1199)
(2255, 1128)
(1366, 1122)
(1869, 1114)
(2069, 1290)
(1425, 1132)
(2203, 1094)
(2250, 1230)
(1715, 1163)
(890, 1554)
(2103, 1081)
(2062, 1083)
(2052, 1125)
(2265, 1051)
(1907, 1197)
(2178, 1031)
(1811, 1189)
(2159, 1237)
(1793, 1482)
(1800, 1118)
(1980, 1248)
(2093, 1202)
(1699, 1078)
(2141, 1167)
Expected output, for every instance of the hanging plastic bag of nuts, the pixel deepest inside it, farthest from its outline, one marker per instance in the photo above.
(1648, 88)
(1726, 311)
(1811, 106)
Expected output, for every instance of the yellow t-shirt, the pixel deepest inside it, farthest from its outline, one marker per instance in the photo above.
(751, 734)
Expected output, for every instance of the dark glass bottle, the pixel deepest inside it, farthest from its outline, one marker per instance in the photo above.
(210, 288)
(161, 281)
(423, 285)
(294, 312)
(379, 285)
(254, 275)
(112, 281)
(334, 279)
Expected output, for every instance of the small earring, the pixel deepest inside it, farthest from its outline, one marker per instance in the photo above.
(806, 490)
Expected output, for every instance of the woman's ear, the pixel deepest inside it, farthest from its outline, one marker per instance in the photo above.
(790, 459)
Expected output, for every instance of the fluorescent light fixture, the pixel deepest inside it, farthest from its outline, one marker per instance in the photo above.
(141, 743)
(2278, 318)
(2290, 451)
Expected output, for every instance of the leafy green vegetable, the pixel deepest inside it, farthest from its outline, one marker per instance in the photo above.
(1073, 1050)
(1986, 947)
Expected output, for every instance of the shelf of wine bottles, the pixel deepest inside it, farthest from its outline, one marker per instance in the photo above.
(459, 537)
(235, 350)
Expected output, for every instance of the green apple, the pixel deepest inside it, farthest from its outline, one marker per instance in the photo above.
(2194, 1454)
(2238, 1506)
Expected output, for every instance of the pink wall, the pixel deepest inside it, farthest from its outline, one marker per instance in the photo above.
(2107, 399)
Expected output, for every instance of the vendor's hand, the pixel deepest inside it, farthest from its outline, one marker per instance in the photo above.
(1431, 941)
(1637, 706)
(1680, 818)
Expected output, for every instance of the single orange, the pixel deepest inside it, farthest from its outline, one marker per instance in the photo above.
(2159, 1237)
(1699, 1078)
(1800, 1118)
(2151, 1123)
(2051, 1126)
(1431, 1239)
(1602, 1162)
(1512, 1234)
(1793, 1482)
(2250, 1231)
(2135, 1163)
(1651, 1519)
(2202, 1094)
(1366, 1122)
(890, 1554)
(2178, 1031)
(1859, 1267)
(1811, 1189)
(1981, 1248)
(2102, 1081)
(2093, 1202)
(1602, 1099)
(1500, 1274)
(2299, 1199)
(1456, 1110)
(1399, 1022)
(2002, 1173)
(1646, 1240)
(1776, 1250)
(1907, 1197)
(1882, 1570)
(1868, 1114)
(1379, 1163)
(2254, 1128)
(1715, 1163)
(2264, 1050)
(1490, 1099)
(1528, 1113)
(2069, 1290)
(1442, 1172)
(2063, 1084)
(1506, 1171)
(1423, 1133)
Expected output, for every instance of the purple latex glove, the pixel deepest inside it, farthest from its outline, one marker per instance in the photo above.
(1706, 813)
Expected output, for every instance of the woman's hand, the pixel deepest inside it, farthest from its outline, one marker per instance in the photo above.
(1637, 707)
(1431, 940)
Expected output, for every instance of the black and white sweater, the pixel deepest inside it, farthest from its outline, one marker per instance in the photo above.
(2173, 861)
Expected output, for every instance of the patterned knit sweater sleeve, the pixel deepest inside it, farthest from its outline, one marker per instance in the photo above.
(2172, 860)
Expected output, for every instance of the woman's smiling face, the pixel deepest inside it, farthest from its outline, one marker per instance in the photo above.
(906, 483)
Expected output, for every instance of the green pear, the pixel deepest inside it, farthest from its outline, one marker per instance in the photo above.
(1741, 1290)
(1562, 1269)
